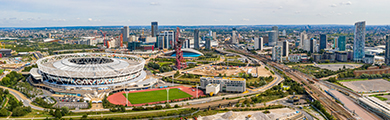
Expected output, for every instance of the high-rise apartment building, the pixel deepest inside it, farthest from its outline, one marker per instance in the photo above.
(258, 43)
(272, 38)
(214, 35)
(234, 36)
(313, 45)
(341, 43)
(322, 41)
(154, 29)
(125, 33)
(285, 48)
(277, 53)
(359, 39)
(166, 39)
(306, 44)
(303, 37)
(387, 52)
(196, 39)
(275, 28)
(208, 43)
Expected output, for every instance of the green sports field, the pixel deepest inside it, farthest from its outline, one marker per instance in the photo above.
(156, 96)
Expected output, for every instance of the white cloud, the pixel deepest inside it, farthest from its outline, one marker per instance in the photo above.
(215, 20)
(89, 19)
(154, 3)
(230, 19)
(348, 3)
(280, 7)
(333, 5)
(245, 19)
(297, 12)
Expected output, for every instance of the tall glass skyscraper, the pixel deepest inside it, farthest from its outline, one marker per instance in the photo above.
(272, 37)
(154, 29)
(341, 43)
(196, 39)
(358, 42)
(322, 41)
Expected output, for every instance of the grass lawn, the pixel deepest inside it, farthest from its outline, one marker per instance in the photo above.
(165, 63)
(341, 63)
(349, 80)
(155, 96)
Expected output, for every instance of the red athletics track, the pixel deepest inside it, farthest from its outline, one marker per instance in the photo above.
(120, 99)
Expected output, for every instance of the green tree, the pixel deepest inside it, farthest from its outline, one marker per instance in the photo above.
(64, 110)
(3, 112)
(58, 114)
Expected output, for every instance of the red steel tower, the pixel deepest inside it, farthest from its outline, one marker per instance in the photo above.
(180, 61)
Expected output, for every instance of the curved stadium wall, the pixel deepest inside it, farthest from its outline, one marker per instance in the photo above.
(91, 69)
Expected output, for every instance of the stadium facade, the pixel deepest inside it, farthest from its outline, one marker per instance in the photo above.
(90, 72)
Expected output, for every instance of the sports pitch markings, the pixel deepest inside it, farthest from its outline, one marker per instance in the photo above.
(156, 96)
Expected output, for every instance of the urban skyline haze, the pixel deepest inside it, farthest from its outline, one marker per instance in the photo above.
(45, 13)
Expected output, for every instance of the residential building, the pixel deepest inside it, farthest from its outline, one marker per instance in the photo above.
(387, 50)
(313, 45)
(234, 36)
(208, 43)
(214, 35)
(236, 85)
(368, 58)
(272, 37)
(125, 33)
(323, 41)
(303, 37)
(341, 43)
(258, 43)
(285, 48)
(275, 28)
(306, 45)
(277, 53)
(196, 39)
(154, 29)
(359, 41)
(342, 56)
(167, 39)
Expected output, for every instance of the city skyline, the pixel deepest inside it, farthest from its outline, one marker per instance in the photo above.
(42, 13)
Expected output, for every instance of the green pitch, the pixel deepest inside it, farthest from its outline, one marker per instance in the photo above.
(156, 96)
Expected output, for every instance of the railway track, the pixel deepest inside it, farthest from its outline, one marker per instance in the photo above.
(333, 107)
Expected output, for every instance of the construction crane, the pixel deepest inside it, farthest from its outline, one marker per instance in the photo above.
(180, 61)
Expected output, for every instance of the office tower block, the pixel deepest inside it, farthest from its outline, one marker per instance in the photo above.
(359, 39)
(196, 39)
(341, 43)
(154, 29)
(125, 33)
(285, 48)
(387, 52)
(313, 45)
(272, 38)
(284, 33)
(322, 41)
(258, 43)
(234, 36)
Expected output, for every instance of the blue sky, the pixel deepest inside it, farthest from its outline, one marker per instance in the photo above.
(45, 13)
